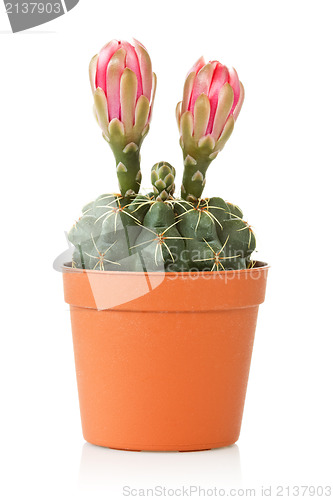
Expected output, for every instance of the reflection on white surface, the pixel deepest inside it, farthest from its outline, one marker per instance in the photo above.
(111, 470)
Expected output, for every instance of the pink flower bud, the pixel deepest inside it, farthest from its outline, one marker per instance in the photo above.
(224, 91)
(124, 73)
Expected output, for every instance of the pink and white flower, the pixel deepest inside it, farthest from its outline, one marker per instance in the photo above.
(212, 99)
(123, 85)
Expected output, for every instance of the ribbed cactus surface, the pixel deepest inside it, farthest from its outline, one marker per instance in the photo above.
(159, 232)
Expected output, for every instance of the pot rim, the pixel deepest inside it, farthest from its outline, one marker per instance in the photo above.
(65, 268)
(125, 290)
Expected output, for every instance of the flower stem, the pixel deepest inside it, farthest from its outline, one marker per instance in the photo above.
(128, 170)
(194, 179)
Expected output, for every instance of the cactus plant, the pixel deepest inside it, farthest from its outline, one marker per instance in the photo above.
(130, 231)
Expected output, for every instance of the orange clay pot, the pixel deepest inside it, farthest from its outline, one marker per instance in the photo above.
(162, 360)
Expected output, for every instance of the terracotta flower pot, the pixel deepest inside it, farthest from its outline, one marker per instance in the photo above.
(162, 360)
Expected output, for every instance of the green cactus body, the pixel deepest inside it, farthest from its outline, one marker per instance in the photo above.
(238, 238)
(142, 234)
(105, 233)
(83, 229)
(235, 211)
(78, 259)
(81, 236)
(160, 242)
(202, 241)
(126, 217)
(219, 209)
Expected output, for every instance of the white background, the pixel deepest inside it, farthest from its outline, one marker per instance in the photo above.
(277, 166)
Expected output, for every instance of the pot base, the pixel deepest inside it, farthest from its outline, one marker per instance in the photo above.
(181, 448)
(169, 448)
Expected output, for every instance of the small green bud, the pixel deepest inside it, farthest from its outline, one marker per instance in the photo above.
(163, 180)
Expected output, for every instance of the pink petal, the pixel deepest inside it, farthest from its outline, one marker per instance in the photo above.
(132, 63)
(197, 66)
(115, 69)
(214, 64)
(145, 68)
(136, 42)
(240, 102)
(104, 57)
(234, 82)
(201, 83)
(220, 77)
